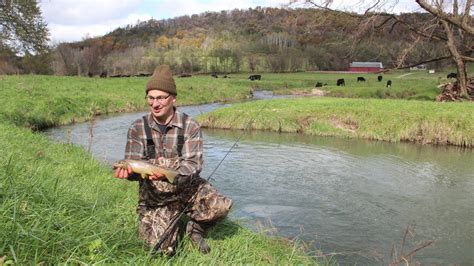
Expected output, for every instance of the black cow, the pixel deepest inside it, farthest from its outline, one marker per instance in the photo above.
(103, 74)
(389, 83)
(318, 84)
(255, 77)
(379, 78)
(185, 75)
(143, 75)
(226, 77)
(360, 79)
(214, 75)
(90, 74)
(452, 75)
(341, 82)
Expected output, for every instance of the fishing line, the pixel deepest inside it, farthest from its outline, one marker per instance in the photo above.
(175, 219)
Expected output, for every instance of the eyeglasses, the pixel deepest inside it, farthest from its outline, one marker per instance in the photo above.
(160, 99)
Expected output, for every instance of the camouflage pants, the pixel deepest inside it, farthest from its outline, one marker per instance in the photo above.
(207, 206)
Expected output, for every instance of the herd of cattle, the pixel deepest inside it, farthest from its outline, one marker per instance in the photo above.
(342, 82)
(339, 82)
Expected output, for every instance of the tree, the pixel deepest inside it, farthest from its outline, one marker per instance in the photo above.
(449, 22)
(22, 28)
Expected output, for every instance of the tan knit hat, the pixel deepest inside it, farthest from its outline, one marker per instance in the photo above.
(162, 79)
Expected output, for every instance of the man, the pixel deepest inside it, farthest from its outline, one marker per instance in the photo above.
(175, 140)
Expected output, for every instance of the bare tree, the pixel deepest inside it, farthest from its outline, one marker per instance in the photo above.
(450, 23)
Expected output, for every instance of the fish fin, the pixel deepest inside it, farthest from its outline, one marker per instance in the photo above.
(170, 178)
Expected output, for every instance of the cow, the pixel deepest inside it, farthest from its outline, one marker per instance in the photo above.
(226, 77)
(185, 75)
(452, 75)
(389, 83)
(362, 79)
(255, 77)
(318, 84)
(341, 82)
(103, 74)
(143, 75)
(379, 78)
(214, 75)
(90, 74)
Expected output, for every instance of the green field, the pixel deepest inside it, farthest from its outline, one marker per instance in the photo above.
(45, 101)
(405, 85)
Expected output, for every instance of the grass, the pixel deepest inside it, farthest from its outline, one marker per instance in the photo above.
(44, 101)
(375, 119)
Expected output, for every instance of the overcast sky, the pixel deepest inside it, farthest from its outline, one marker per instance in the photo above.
(72, 20)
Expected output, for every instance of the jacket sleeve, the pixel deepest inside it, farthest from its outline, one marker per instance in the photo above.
(191, 160)
(134, 149)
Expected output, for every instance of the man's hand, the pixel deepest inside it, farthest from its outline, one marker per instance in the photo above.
(123, 173)
(157, 176)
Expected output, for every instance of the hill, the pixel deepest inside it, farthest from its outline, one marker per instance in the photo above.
(251, 40)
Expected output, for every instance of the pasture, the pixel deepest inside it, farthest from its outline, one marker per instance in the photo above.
(416, 85)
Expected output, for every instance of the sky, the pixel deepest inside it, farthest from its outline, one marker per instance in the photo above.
(74, 20)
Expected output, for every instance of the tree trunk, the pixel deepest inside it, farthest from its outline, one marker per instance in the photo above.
(457, 58)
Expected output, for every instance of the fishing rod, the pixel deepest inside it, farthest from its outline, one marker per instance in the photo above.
(175, 219)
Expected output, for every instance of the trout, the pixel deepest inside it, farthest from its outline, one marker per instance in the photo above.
(145, 169)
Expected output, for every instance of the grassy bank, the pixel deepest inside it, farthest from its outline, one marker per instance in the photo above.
(388, 120)
(45, 101)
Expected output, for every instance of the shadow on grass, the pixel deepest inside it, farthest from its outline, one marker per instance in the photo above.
(223, 230)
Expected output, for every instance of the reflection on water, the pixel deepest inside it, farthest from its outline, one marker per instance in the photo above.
(348, 196)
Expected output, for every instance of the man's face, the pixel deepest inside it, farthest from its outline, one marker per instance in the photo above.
(161, 104)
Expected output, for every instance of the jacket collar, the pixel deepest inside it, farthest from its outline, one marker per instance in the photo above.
(176, 121)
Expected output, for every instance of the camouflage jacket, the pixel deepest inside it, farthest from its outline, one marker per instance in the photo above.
(189, 164)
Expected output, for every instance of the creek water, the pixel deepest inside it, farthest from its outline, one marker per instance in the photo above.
(354, 198)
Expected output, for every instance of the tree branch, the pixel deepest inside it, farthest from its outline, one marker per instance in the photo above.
(457, 21)
(425, 62)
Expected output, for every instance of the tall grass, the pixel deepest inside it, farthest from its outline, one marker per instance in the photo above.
(44, 101)
(388, 120)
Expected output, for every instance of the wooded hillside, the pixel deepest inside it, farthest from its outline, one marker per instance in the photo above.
(252, 40)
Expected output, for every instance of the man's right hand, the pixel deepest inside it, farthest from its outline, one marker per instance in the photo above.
(123, 173)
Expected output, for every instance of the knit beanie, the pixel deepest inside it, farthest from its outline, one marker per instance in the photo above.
(162, 79)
